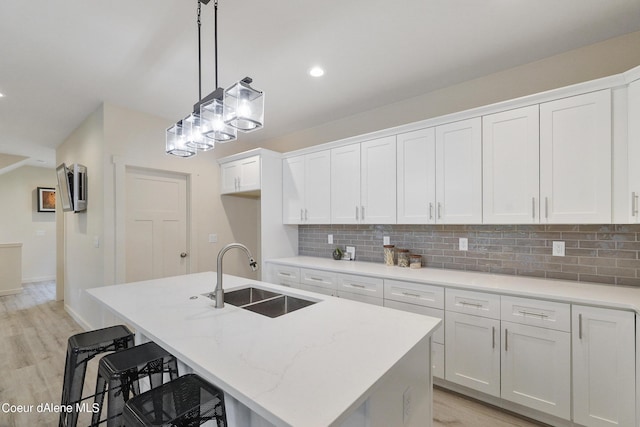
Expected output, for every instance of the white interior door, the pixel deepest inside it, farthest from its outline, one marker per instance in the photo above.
(156, 225)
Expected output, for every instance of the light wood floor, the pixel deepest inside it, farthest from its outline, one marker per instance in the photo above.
(34, 329)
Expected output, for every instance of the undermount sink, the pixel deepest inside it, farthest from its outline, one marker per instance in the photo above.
(278, 306)
(261, 301)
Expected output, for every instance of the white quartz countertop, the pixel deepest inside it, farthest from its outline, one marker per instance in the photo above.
(620, 297)
(310, 367)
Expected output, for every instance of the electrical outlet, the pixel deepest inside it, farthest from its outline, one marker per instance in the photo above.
(330, 239)
(558, 249)
(463, 244)
(406, 405)
(386, 240)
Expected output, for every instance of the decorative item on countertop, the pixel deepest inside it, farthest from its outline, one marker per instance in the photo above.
(389, 254)
(337, 254)
(415, 261)
(403, 257)
(350, 254)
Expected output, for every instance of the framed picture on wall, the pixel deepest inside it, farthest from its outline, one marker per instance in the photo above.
(46, 199)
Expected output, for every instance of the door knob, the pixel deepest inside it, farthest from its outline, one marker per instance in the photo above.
(183, 255)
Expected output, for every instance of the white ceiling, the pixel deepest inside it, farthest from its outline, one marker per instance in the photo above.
(59, 60)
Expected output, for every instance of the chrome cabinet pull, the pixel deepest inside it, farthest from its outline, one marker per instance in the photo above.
(634, 204)
(282, 273)
(493, 337)
(472, 304)
(439, 210)
(506, 340)
(407, 294)
(546, 207)
(580, 326)
(430, 210)
(357, 217)
(533, 207)
(357, 285)
(316, 279)
(362, 212)
(532, 313)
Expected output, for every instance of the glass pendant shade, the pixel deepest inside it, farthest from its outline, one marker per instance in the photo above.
(213, 113)
(194, 127)
(177, 142)
(244, 107)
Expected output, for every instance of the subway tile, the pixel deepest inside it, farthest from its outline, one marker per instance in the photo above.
(605, 280)
(616, 272)
(562, 275)
(626, 281)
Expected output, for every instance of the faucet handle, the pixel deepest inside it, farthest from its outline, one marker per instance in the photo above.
(253, 264)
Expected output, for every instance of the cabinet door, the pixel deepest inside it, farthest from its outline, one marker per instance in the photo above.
(345, 184)
(575, 159)
(472, 356)
(293, 180)
(378, 173)
(536, 368)
(317, 178)
(459, 172)
(240, 175)
(249, 174)
(416, 181)
(510, 173)
(633, 138)
(603, 367)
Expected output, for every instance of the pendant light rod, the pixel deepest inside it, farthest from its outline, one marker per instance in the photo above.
(215, 38)
(199, 52)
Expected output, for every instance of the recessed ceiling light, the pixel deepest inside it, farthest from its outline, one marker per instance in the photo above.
(316, 72)
(1, 95)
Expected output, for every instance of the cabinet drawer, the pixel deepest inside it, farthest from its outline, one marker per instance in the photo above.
(438, 334)
(360, 285)
(284, 275)
(414, 293)
(318, 289)
(320, 278)
(535, 312)
(361, 298)
(474, 303)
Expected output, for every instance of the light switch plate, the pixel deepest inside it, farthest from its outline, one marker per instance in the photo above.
(386, 240)
(330, 239)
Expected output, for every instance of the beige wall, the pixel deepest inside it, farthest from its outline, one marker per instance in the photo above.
(108, 141)
(603, 59)
(22, 223)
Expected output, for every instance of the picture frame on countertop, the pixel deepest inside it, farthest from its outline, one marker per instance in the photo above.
(46, 199)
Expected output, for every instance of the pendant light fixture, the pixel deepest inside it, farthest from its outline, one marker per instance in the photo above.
(218, 116)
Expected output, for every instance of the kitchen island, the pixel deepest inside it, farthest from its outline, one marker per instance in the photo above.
(333, 363)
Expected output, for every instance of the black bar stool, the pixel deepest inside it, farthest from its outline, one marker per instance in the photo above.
(81, 348)
(120, 372)
(187, 401)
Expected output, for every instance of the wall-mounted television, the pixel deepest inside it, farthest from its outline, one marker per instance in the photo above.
(72, 182)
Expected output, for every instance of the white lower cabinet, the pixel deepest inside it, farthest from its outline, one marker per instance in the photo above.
(536, 368)
(473, 352)
(603, 367)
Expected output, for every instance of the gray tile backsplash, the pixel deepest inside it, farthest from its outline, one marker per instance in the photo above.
(594, 253)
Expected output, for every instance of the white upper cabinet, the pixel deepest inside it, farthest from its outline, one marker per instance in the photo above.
(363, 184)
(378, 179)
(440, 174)
(240, 176)
(511, 180)
(306, 183)
(345, 185)
(633, 138)
(575, 159)
(459, 172)
(416, 177)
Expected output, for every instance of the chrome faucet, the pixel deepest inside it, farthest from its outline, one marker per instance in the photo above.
(219, 292)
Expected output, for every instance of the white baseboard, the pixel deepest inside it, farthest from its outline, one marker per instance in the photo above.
(38, 279)
(14, 291)
(79, 320)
